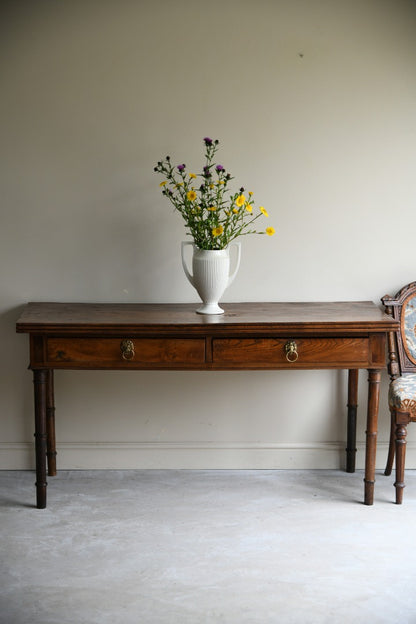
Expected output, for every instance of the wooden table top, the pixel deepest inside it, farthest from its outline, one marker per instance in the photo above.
(348, 316)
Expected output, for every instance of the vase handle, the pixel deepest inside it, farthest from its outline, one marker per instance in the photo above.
(185, 268)
(234, 273)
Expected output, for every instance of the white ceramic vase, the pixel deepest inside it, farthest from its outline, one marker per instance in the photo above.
(210, 274)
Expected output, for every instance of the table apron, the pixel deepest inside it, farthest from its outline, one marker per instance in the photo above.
(207, 352)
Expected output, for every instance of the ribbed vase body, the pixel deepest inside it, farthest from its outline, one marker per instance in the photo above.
(210, 275)
(211, 270)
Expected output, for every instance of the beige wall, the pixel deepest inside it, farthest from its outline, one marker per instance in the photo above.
(314, 104)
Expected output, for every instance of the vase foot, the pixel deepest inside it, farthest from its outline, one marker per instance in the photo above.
(210, 308)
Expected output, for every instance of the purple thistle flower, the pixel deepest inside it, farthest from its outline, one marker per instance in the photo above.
(181, 167)
(208, 141)
(219, 168)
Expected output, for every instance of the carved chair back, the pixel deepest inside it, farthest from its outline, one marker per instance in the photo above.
(402, 344)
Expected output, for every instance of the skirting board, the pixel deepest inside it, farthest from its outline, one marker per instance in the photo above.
(188, 455)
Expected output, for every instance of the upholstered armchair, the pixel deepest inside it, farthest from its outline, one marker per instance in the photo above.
(402, 371)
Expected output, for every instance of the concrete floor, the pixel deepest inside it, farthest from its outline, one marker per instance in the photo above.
(190, 547)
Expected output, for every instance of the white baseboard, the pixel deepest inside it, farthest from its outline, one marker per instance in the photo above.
(188, 455)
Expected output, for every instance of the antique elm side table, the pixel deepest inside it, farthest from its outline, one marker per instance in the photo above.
(249, 336)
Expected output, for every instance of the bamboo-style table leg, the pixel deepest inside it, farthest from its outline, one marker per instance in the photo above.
(352, 419)
(40, 388)
(374, 377)
(50, 424)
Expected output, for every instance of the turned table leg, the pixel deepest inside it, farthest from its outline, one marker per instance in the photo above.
(374, 377)
(352, 419)
(50, 424)
(40, 388)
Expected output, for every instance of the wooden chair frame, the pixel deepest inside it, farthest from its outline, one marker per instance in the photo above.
(401, 362)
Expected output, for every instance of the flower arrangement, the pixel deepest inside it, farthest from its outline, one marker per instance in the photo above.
(212, 219)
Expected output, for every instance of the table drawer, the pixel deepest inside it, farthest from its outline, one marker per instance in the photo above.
(116, 352)
(286, 352)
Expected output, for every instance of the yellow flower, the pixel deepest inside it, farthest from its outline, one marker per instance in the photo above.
(264, 211)
(270, 231)
(250, 193)
(178, 184)
(240, 200)
(212, 208)
(235, 210)
(249, 208)
(191, 195)
(163, 183)
(211, 186)
(217, 231)
(219, 183)
(192, 175)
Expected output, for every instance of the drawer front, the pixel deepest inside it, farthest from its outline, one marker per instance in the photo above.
(120, 353)
(287, 353)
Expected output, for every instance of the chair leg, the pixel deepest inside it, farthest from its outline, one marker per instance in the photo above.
(401, 432)
(390, 457)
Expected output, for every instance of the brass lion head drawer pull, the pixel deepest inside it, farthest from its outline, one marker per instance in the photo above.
(291, 349)
(127, 349)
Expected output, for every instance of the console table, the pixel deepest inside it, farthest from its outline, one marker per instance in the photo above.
(249, 336)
